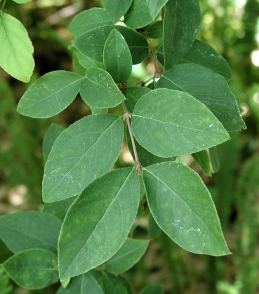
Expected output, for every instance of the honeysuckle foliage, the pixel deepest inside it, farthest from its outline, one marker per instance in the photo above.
(91, 208)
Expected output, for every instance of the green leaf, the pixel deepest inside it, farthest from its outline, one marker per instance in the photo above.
(153, 289)
(215, 163)
(99, 83)
(180, 33)
(114, 285)
(59, 208)
(203, 160)
(170, 123)
(204, 55)
(91, 43)
(51, 135)
(155, 30)
(33, 269)
(98, 110)
(133, 94)
(84, 60)
(142, 13)
(98, 222)
(153, 228)
(16, 48)
(50, 94)
(116, 8)
(79, 69)
(182, 206)
(209, 88)
(126, 284)
(82, 284)
(25, 230)
(128, 255)
(77, 156)
(5, 285)
(137, 43)
(21, 1)
(88, 20)
(117, 57)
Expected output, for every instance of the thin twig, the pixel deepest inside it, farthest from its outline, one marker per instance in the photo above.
(2, 7)
(127, 117)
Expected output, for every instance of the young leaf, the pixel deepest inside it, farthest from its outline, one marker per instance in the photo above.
(142, 13)
(77, 156)
(117, 58)
(51, 135)
(99, 83)
(204, 55)
(25, 230)
(153, 289)
(155, 30)
(82, 284)
(98, 222)
(208, 87)
(50, 94)
(91, 43)
(180, 33)
(59, 208)
(153, 228)
(116, 8)
(182, 206)
(33, 269)
(128, 255)
(16, 48)
(170, 123)
(88, 20)
(112, 284)
(137, 43)
(203, 160)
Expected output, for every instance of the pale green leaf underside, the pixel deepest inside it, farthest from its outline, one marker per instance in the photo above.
(208, 87)
(143, 12)
(128, 255)
(117, 57)
(29, 228)
(16, 48)
(116, 8)
(84, 151)
(88, 20)
(50, 94)
(182, 206)
(79, 284)
(181, 23)
(98, 222)
(99, 90)
(33, 268)
(171, 123)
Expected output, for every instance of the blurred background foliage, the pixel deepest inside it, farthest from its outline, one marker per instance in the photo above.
(232, 28)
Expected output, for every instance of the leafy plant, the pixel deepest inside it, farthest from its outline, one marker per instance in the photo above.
(186, 109)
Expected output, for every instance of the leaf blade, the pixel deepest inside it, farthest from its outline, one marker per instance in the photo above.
(184, 210)
(108, 202)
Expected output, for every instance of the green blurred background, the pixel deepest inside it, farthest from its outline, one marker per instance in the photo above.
(232, 28)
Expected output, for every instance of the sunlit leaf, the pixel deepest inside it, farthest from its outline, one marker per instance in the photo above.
(98, 222)
(16, 48)
(182, 206)
(170, 123)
